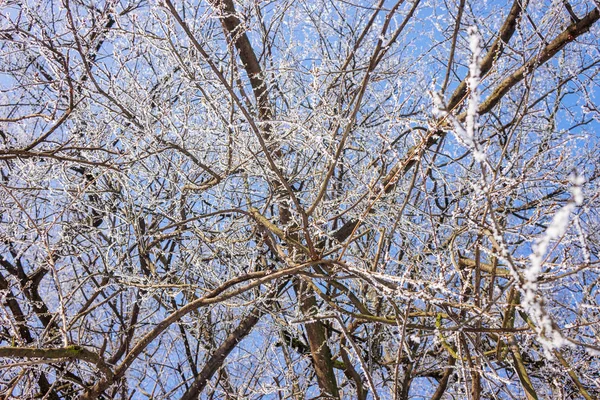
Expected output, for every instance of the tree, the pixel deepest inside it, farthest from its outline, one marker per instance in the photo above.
(299, 199)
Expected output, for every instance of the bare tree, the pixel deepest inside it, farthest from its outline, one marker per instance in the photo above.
(299, 199)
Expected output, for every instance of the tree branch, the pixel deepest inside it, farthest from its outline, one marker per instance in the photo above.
(72, 352)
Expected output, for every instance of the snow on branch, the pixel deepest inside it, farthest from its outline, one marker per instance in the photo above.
(473, 83)
(549, 335)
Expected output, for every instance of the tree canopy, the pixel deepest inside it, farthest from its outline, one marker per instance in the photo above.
(335, 199)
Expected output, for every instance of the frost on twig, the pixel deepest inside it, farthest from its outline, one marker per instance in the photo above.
(466, 134)
(548, 333)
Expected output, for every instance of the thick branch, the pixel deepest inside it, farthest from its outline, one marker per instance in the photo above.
(215, 362)
(232, 25)
(73, 352)
(317, 340)
(567, 36)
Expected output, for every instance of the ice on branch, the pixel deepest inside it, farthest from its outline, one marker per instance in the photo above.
(550, 336)
(466, 134)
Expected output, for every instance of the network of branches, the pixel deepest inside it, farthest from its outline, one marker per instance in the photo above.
(299, 199)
